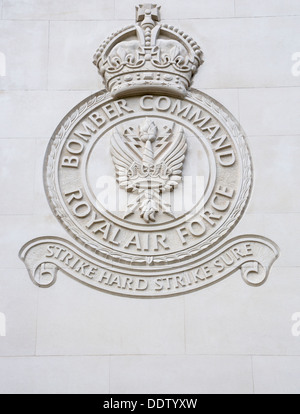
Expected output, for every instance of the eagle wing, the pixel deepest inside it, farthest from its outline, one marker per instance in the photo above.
(174, 160)
(124, 161)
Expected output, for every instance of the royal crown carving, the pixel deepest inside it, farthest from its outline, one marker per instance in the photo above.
(148, 57)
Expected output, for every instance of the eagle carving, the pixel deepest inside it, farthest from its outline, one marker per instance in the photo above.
(149, 163)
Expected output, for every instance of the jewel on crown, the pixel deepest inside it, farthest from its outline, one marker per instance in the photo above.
(148, 57)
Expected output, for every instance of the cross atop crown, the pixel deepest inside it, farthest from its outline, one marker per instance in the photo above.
(147, 14)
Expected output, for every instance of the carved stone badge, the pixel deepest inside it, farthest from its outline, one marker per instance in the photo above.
(148, 176)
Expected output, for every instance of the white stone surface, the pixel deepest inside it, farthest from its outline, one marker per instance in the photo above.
(58, 9)
(227, 338)
(276, 375)
(17, 187)
(54, 375)
(284, 229)
(227, 97)
(276, 180)
(232, 58)
(18, 302)
(233, 319)
(26, 56)
(87, 36)
(15, 230)
(181, 374)
(41, 205)
(39, 110)
(270, 111)
(253, 8)
(183, 10)
(83, 321)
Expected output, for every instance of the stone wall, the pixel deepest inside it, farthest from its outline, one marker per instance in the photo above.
(229, 338)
